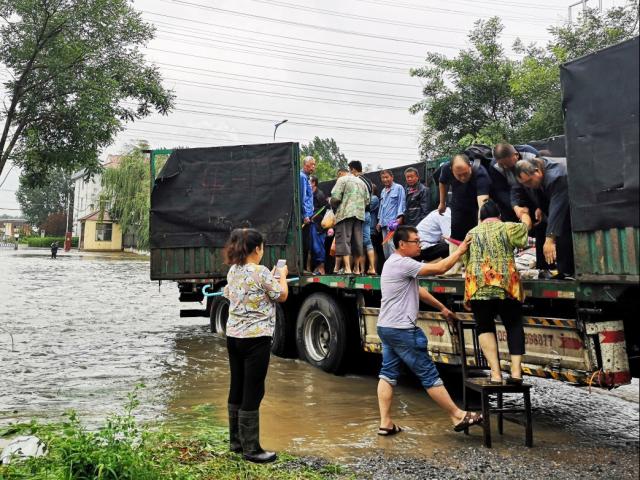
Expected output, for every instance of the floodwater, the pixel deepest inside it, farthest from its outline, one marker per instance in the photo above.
(87, 328)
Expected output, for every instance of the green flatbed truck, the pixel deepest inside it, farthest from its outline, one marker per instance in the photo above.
(583, 331)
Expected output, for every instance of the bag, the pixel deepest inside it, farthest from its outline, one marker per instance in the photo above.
(329, 220)
(479, 155)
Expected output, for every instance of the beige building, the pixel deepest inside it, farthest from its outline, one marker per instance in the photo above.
(99, 235)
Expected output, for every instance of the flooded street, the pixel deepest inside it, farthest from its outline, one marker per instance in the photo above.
(87, 328)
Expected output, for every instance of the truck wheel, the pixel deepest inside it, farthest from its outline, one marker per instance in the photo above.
(219, 315)
(321, 333)
(279, 346)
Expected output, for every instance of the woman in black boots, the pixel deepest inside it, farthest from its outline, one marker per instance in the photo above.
(252, 291)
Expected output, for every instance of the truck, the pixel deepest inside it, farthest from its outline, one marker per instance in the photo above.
(581, 330)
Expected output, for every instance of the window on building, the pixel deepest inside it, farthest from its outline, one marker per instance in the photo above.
(103, 232)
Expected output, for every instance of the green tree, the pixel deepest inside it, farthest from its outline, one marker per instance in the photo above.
(328, 157)
(537, 80)
(467, 98)
(126, 194)
(77, 75)
(38, 202)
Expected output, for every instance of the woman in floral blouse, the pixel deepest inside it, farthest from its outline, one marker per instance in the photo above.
(252, 291)
(493, 287)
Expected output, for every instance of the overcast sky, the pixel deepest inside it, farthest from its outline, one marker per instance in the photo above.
(331, 68)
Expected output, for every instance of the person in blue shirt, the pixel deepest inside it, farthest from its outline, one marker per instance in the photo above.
(306, 203)
(392, 206)
(470, 187)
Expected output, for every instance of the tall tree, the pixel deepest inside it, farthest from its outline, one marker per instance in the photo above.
(126, 194)
(467, 98)
(537, 80)
(38, 202)
(328, 157)
(77, 76)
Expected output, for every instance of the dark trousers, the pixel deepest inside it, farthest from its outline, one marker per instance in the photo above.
(461, 222)
(306, 243)
(564, 250)
(249, 362)
(439, 250)
(510, 311)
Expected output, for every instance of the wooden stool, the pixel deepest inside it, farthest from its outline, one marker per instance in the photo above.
(482, 385)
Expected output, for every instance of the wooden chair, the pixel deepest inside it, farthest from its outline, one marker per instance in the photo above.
(480, 383)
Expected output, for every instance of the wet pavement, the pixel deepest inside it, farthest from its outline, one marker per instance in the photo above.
(88, 327)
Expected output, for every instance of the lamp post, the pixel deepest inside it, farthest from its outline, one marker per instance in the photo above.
(276, 128)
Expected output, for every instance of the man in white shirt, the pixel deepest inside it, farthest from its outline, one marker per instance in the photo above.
(433, 229)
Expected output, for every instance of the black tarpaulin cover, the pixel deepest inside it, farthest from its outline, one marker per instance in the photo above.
(201, 194)
(600, 100)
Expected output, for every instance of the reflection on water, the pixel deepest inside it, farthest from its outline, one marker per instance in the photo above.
(88, 328)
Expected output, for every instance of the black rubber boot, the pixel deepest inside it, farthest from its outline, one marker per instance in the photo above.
(234, 434)
(249, 423)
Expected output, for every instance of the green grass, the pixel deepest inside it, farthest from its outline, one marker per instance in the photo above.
(47, 241)
(122, 449)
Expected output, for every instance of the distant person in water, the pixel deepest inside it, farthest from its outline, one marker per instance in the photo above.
(54, 250)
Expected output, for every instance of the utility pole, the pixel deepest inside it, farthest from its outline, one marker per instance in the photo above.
(584, 7)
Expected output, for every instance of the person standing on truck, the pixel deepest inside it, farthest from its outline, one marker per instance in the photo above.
(503, 176)
(543, 183)
(318, 234)
(402, 340)
(355, 167)
(349, 197)
(416, 198)
(391, 209)
(470, 187)
(252, 291)
(493, 287)
(306, 203)
(54, 250)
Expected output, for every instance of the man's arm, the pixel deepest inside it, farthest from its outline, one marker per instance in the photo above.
(401, 203)
(442, 189)
(424, 202)
(429, 299)
(442, 266)
(336, 193)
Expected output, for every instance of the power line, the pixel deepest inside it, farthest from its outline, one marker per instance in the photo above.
(314, 27)
(306, 57)
(333, 13)
(268, 136)
(253, 91)
(299, 85)
(342, 77)
(243, 41)
(275, 35)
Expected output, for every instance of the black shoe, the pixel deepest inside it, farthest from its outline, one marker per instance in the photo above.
(514, 381)
(545, 275)
(234, 435)
(249, 423)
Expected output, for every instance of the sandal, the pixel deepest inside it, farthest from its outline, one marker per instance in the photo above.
(387, 432)
(470, 419)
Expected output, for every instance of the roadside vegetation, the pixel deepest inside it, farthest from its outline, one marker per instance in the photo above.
(123, 449)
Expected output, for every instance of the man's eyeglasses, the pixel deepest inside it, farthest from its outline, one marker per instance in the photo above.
(416, 241)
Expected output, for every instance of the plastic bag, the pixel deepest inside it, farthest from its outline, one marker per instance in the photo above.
(329, 220)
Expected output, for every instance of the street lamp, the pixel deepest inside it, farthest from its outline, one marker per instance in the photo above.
(277, 125)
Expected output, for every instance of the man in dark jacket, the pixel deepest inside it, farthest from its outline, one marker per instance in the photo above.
(416, 200)
(503, 177)
(543, 184)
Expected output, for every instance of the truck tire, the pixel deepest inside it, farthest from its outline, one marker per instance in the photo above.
(219, 315)
(280, 346)
(321, 333)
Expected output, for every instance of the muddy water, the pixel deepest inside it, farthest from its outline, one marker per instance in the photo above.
(87, 328)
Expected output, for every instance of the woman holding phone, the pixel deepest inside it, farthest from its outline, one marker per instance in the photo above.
(252, 291)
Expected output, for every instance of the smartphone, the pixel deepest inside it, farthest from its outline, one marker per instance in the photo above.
(281, 263)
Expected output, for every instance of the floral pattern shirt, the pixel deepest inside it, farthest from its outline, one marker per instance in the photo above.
(490, 267)
(252, 291)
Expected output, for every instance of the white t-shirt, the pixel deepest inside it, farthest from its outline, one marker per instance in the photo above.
(399, 288)
(433, 227)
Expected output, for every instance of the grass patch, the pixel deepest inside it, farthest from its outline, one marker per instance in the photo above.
(122, 449)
